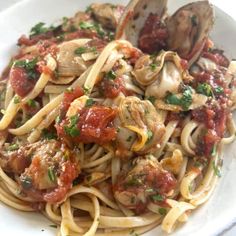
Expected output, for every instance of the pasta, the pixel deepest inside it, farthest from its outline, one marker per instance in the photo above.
(110, 136)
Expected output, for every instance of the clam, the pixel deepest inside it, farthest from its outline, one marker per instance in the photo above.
(69, 63)
(146, 25)
(141, 119)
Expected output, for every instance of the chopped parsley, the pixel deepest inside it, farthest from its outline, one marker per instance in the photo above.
(162, 211)
(153, 66)
(40, 29)
(86, 90)
(213, 151)
(150, 135)
(86, 25)
(65, 20)
(152, 99)
(46, 134)
(31, 103)
(72, 129)
(133, 233)
(216, 169)
(185, 101)
(13, 147)
(219, 90)
(29, 66)
(58, 120)
(89, 102)
(52, 174)
(149, 190)
(111, 75)
(88, 9)
(16, 100)
(93, 26)
(81, 50)
(158, 198)
(204, 89)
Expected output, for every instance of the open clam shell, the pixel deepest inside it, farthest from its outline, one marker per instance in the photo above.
(188, 28)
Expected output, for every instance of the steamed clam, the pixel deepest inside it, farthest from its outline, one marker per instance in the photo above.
(141, 121)
(148, 27)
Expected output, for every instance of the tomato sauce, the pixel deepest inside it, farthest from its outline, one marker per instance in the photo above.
(94, 125)
(20, 82)
(153, 36)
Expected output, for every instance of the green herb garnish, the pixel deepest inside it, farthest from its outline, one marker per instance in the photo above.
(80, 50)
(13, 147)
(204, 89)
(162, 211)
(31, 103)
(213, 151)
(72, 129)
(40, 29)
(216, 169)
(111, 75)
(51, 174)
(153, 66)
(149, 134)
(29, 66)
(46, 134)
(185, 101)
(89, 102)
(152, 99)
(219, 90)
(158, 198)
(16, 100)
(86, 25)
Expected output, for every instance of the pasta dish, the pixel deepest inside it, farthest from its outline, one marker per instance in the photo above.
(113, 121)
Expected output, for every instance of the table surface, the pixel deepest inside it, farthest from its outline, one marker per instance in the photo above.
(228, 7)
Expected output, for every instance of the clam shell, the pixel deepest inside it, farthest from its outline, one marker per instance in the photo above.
(188, 29)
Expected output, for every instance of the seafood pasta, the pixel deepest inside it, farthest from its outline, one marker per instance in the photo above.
(113, 122)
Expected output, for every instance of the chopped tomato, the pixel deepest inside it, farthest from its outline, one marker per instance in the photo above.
(153, 36)
(67, 176)
(51, 172)
(20, 82)
(94, 125)
(164, 181)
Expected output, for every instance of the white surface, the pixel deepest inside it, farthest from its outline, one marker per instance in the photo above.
(208, 220)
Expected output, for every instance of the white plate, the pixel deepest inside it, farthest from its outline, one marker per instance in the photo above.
(210, 219)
